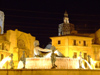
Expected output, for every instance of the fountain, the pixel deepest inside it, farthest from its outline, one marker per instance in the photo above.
(45, 63)
(20, 65)
(87, 63)
(40, 61)
(4, 61)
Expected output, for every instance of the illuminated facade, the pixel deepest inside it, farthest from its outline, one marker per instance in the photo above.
(16, 42)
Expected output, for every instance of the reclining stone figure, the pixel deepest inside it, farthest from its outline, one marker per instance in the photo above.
(38, 51)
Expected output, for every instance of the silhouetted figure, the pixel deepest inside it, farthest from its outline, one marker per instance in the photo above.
(89, 57)
(23, 59)
(11, 62)
(53, 57)
(80, 60)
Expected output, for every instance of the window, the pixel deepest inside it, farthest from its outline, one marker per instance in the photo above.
(96, 66)
(85, 57)
(59, 42)
(2, 46)
(84, 43)
(89, 59)
(1, 56)
(75, 55)
(74, 42)
(79, 42)
(21, 44)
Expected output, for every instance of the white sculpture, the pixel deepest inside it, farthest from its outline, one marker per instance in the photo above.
(37, 50)
(1, 22)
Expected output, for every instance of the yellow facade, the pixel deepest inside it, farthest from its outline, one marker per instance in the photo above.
(96, 55)
(67, 46)
(15, 42)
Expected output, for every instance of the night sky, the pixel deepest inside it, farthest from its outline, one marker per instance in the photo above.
(40, 18)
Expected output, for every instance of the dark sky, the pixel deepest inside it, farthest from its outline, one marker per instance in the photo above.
(41, 17)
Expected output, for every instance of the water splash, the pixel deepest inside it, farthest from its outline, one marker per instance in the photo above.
(83, 66)
(20, 65)
(88, 63)
(4, 61)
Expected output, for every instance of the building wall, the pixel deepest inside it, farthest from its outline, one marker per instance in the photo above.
(16, 42)
(96, 55)
(61, 44)
(70, 44)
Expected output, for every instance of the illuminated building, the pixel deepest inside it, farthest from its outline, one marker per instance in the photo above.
(14, 41)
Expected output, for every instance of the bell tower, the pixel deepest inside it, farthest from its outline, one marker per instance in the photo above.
(65, 28)
(66, 19)
(1, 22)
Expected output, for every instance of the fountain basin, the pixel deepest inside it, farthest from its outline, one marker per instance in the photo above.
(45, 63)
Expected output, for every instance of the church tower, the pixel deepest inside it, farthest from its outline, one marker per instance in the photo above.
(1, 22)
(65, 28)
(66, 19)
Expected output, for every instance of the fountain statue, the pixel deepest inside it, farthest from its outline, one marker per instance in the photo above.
(38, 51)
(4, 61)
(50, 59)
(8, 58)
(53, 57)
(11, 62)
(81, 65)
(23, 59)
(80, 60)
